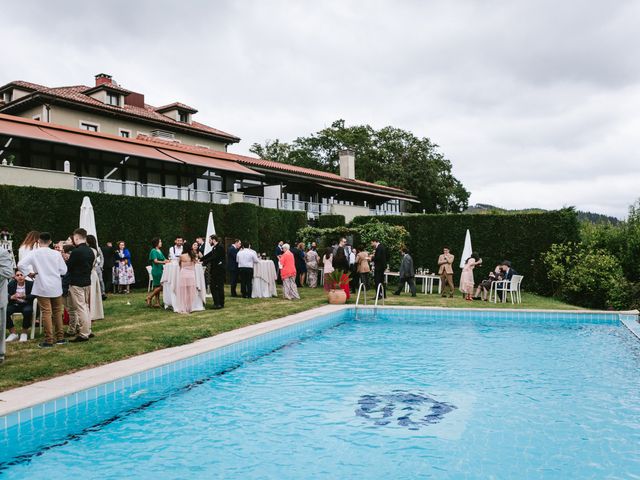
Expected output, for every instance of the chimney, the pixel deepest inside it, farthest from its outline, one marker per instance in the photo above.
(103, 78)
(347, 164)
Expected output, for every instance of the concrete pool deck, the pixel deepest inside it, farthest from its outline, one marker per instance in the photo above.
(48, 390)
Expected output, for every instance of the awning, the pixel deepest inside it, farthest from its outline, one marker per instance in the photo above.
(80, 139)
(209, 162)
(366, 192)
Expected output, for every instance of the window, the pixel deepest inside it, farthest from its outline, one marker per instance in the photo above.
(183, 117)
(125, 133)
(90, 127)
(6, 96)
(113, 99)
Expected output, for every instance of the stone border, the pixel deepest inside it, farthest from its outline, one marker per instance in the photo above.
(47, 390)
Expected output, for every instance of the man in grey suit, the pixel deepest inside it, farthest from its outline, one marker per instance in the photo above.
(6, 273)
(407, 273)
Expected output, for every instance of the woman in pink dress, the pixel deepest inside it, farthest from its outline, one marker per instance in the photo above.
(466, 279)
(186, 291)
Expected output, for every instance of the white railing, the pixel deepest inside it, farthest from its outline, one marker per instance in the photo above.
(361, 289)
(150, 190)
(379, 294)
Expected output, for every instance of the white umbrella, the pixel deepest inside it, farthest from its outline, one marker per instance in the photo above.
(211, 230)
(467, 250)
(87, 217)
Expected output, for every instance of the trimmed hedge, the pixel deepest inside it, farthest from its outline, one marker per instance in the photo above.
(137, 220)
(331, 221)
(520, 238)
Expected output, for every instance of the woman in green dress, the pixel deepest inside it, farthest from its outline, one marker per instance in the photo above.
(158, 261)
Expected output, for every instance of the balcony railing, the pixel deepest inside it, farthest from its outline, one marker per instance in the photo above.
(137, 189)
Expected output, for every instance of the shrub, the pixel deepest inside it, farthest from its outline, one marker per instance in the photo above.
(588, 277)
(331, 221)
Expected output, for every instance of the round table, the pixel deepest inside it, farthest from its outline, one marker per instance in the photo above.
(264, 280)
(169, 282)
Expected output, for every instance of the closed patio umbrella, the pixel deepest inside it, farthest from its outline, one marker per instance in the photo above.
(87, 218)
(467, 250)
(211, 230)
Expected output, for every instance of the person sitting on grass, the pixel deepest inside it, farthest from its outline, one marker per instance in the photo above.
(20, 300)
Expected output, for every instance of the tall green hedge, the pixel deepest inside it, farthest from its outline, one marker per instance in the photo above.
(137, 220)
(520, 238)
(331, 221)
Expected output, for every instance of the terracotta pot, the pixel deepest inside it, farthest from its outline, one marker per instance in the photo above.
(337, 297)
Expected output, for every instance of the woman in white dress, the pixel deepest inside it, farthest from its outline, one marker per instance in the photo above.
(95, 297)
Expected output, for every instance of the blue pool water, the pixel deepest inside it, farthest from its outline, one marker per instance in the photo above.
(402, 394)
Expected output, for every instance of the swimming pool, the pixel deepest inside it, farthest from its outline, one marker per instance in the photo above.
(397, 393)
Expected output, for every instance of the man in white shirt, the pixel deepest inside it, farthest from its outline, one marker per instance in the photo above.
(48, 267)
(176, 250)
(246, 258)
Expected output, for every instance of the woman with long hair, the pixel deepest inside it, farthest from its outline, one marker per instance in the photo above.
(95, 296)
(186, 289)
(158, 261)
(466, 278)
(27, 246)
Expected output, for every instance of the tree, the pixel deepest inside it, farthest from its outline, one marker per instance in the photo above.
(389, 156)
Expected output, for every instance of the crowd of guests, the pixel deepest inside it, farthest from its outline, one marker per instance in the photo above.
(71, 278)
(64, 278)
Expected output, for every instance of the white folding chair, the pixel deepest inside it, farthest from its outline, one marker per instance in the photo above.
(150, 278)
(507, 287)
(37, 318)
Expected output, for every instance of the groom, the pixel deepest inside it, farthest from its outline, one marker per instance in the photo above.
(215, 261)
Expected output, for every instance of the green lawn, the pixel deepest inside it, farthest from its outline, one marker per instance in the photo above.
(131, 328)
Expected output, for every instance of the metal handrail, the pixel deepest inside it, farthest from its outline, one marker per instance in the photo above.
(379, 294)
(360, 289)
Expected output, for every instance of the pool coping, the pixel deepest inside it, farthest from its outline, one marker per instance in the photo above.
(47, 390)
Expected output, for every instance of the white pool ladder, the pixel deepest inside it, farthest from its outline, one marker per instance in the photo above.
(362, 288)
(379, 294)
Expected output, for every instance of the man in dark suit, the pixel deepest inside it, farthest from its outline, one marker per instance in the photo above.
(215, 262)
(108, 253)
(507, 274)
(20, 301)
(276, 259)
(407, 273)
(379, 264)
(232, 265)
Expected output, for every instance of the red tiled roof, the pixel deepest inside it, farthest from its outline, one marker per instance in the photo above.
(204, 153)
(271, 165)
(107, 86)
(173, 105)
(75, 93)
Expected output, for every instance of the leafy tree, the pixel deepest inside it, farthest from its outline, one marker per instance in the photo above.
(389, 156)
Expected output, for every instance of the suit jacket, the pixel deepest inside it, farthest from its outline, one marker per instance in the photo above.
(406, 267)
(445, 263)
(107, 253)
(13, 287)
(509, 274)
(380, 258)
(6, 272)
(215, 259)
(232, 260)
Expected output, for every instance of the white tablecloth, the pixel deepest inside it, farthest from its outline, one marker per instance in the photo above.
(169, 283)
(427, 281)
(264, 280)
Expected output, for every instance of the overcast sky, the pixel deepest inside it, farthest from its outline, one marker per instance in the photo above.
(536, 103)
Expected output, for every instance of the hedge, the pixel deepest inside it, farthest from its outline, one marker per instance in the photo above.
(520, 238)
(331, 221)
(137, 220)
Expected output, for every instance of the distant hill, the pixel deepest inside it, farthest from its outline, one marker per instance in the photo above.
(582, 216)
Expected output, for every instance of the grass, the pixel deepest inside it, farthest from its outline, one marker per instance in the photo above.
(130, 328)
